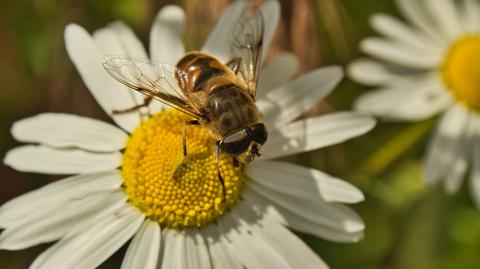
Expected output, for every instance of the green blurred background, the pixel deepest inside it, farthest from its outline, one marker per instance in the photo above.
(408, 225)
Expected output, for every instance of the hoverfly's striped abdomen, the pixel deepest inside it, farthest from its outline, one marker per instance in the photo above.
(195, 69)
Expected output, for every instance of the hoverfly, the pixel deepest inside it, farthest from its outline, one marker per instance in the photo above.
(218, 96)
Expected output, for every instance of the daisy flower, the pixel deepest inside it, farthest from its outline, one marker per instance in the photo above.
(427, 66)
(122, 186)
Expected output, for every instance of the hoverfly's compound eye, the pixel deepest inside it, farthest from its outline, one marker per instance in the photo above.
(236, 143)
(258, 133)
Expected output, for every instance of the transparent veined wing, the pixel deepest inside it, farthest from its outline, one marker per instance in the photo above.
(151, 79)
(247, 45)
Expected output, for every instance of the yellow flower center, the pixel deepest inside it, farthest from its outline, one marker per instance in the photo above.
(461, 71)
(174, 190)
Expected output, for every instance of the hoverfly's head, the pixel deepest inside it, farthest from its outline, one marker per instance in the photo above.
(245, 143)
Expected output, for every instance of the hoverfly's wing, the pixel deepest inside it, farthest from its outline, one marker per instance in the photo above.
(247, 45)
(151, 79)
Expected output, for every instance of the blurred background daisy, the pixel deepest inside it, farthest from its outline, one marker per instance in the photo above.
(407, 225)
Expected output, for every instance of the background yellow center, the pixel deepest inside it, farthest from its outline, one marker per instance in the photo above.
(461, 71)
(171, 189)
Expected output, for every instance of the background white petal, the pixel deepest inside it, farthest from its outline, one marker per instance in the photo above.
(293, 98)
(397, 30)
(412, 99)
(447, 143)
(373, 72)
(90, 248)
(456, 174)
(470, 13)
(316, 132)
(445, 14)
(475, 174)
(41, 159)
(166, 44)
(110, 94)
(417, 14)
(303, 181)
(144, 249)
(400, 53)
(65, 130)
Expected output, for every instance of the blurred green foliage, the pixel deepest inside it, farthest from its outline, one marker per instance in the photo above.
(408, 225)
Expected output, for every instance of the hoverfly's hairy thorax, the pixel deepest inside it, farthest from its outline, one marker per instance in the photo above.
(230, 107)
(227, 103)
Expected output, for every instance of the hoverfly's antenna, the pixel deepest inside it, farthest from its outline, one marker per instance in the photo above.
(220, 178)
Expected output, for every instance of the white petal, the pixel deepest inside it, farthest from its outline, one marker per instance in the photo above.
(307, 182)
(475, 173)
(445, 14)
(290, 100)
(471, 15)
(144, 248)
(289, 246)
(220, 255)
(446, 144)
(53, 223)
(395, 29)
(57, 193)
(64, 130)
(218, 42)
(173, 248)
(278, 71)
(416, 13)
(96, 244)
(166, 44)
(271, 15)
(456, 173)
(119, 40)
(400, 53)
(297, 222)
(332, 215)
(110, 94)
(372, 72)
(251, 251)
(40, 159)
(118, 200)
(417, 100)
(197, 256)
(316, 132)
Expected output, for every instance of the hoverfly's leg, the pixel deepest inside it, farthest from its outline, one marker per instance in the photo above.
(146, 102)
(184, 141)
(236, 163)
(220, 178)
(184, 135)
(234, 64)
